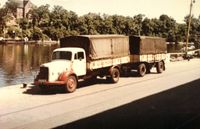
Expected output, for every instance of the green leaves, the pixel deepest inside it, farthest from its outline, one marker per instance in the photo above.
(43, 22)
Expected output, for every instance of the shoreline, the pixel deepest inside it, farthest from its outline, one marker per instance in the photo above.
(13, 41)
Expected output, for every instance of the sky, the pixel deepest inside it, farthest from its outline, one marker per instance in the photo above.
(176, 9)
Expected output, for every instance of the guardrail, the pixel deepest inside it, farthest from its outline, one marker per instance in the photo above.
(192, 52)
(181, 55)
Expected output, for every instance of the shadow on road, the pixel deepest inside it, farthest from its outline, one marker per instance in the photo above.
(178, 108)
(36, 90)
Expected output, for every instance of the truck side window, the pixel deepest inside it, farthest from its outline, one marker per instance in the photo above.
(79, 56)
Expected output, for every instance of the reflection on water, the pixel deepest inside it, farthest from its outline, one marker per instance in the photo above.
(19, 63)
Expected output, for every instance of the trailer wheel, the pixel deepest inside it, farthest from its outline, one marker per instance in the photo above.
(160, 67)
(142, 69)
(114, 75)
(71, 84)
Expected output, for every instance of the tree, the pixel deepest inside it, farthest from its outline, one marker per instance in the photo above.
(148, 27)
(130, 27)
(119, 23)
(40, 16)
(181, 32)
(59, 22)
(138, 22)
(106, 26)
(3, 19)
(168, 28)
(90, 22)
(11, 6)
(37, 34)
(194, 30)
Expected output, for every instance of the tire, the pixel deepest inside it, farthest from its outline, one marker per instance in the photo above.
(142, 69)
(160, 67)
(114, 75)
(71, 84)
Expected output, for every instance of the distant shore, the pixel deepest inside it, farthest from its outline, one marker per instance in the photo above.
(20, 41)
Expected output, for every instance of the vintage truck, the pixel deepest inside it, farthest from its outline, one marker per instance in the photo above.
(88, 56)
(85, 57)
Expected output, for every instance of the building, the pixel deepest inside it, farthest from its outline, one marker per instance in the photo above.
(23, 7)
(21, 11)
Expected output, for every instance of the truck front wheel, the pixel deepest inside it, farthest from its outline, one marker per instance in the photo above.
(71, 84)
(114, 75)
(160, 67)
(142, 69)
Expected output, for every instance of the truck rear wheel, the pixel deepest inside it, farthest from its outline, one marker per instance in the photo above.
(71, 84)
(114, 75)
(142, 69)
(160, 67)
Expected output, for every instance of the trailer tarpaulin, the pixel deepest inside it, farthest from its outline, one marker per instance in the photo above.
(147, 45)
(99, 46)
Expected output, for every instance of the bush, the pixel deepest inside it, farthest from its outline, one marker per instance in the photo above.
(37, 34)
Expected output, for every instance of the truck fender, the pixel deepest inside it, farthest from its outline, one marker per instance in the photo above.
(64, 75)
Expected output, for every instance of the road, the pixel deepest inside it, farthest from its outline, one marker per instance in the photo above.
(170, 100)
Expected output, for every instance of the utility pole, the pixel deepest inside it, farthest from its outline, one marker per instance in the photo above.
(188, 30)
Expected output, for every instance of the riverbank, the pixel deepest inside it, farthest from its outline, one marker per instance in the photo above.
(41, 42)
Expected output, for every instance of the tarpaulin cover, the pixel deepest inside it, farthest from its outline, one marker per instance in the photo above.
(99, 46)
(147, 45)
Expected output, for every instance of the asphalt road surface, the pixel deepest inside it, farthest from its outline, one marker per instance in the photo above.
(170, 100)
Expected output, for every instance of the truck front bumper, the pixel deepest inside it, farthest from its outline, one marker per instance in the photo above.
(37, 83)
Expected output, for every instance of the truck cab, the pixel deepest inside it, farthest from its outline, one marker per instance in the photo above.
(66, 66)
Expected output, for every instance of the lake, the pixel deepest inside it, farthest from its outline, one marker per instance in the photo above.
(19, 63)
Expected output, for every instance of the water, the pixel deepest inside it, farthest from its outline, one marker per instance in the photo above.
(20, 63)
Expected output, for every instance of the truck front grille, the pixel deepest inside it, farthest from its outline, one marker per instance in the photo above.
(44, 73)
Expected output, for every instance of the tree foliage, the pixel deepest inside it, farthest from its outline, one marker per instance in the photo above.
(59, 22)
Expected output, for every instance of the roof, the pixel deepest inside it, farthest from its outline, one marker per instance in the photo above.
(146, 37)
(20, 3)
(102, 36)
(68, 49)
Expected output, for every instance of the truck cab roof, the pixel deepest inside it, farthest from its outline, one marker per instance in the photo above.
(74, 49)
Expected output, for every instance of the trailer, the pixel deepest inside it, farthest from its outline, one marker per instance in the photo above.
(146, 53)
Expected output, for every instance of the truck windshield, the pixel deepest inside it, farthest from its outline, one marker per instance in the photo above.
(65, 55)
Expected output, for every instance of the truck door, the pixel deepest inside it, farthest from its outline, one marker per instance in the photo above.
(79, 64)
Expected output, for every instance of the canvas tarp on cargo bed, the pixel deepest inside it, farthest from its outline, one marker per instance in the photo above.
(147, 45)
(99, 46)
